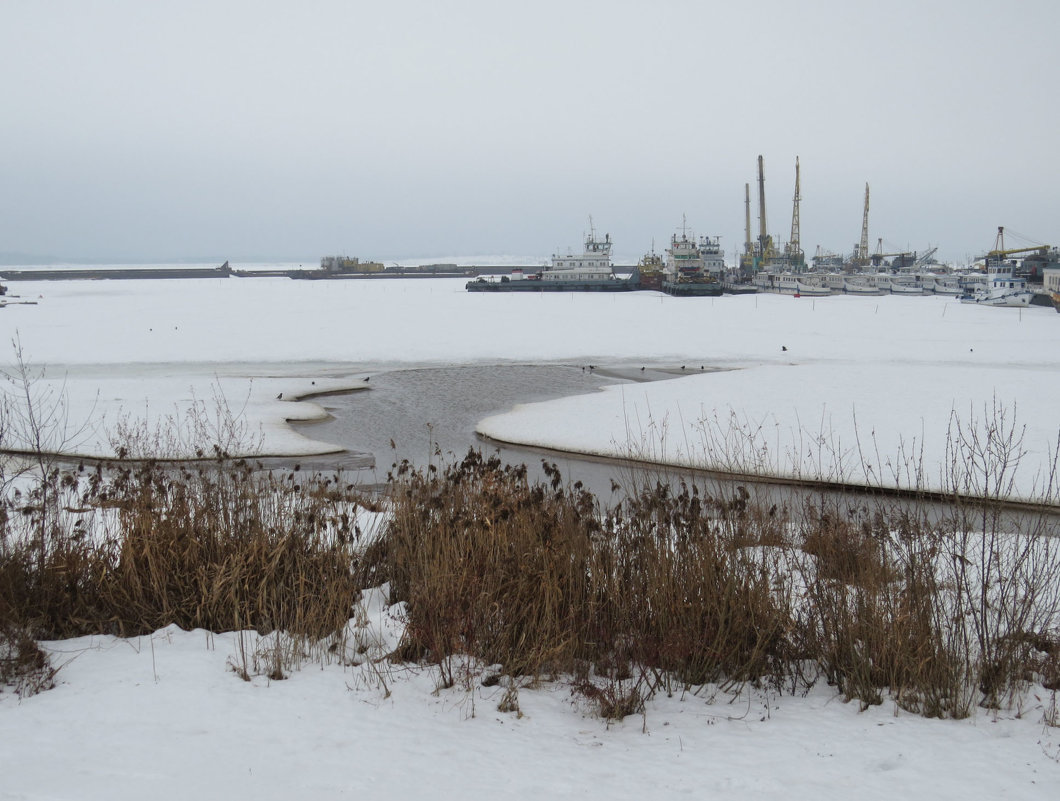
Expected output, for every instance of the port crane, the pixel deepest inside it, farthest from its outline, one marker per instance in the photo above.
(1000, 252)
(925, 257)
(879, 255)
(766, 251)
(763, 251)
(793, 249)
(861, 251)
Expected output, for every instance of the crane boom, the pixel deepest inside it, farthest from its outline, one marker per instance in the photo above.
(1000, 252)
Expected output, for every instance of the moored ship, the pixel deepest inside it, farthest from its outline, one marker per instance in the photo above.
(650, 271)
(588, 271)
(1001, 288)
(692, 266)
(791, 284)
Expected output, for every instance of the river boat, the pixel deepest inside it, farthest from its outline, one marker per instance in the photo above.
(835, 281)
(863, 285)
(790, 284)
(588, 271)
(1001, 288)
(926, 282)
(905, 285)
(947, 285)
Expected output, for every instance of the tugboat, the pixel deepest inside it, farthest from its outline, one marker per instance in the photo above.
(691, 266)
(651, 271)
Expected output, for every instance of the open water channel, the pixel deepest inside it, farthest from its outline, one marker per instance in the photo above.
(429, 415)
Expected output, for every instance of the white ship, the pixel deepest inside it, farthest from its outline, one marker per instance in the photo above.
(688, 257)
(1001, 288)
(592, 264)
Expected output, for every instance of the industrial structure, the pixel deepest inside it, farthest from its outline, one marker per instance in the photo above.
(762, 253)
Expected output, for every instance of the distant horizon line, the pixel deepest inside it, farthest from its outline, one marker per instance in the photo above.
(36, 260)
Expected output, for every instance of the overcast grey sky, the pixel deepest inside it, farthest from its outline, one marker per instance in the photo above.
(407, 128)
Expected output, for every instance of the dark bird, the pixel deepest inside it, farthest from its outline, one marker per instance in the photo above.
(682, 367)
(368, 378)
(783, 347)
(280, 396)
(642, 369)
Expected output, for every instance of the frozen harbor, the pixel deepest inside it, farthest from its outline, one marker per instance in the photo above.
(869, 389)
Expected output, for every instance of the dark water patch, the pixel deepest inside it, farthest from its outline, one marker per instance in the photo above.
(429, 415)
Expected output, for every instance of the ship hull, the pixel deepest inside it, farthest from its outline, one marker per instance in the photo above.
(692, 289)
(528, 285)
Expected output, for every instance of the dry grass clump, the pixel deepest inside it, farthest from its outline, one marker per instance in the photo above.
(217, 546)
(877, 614)
(689, 599)
(24, 667)
(488, 565)
(538, 579)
